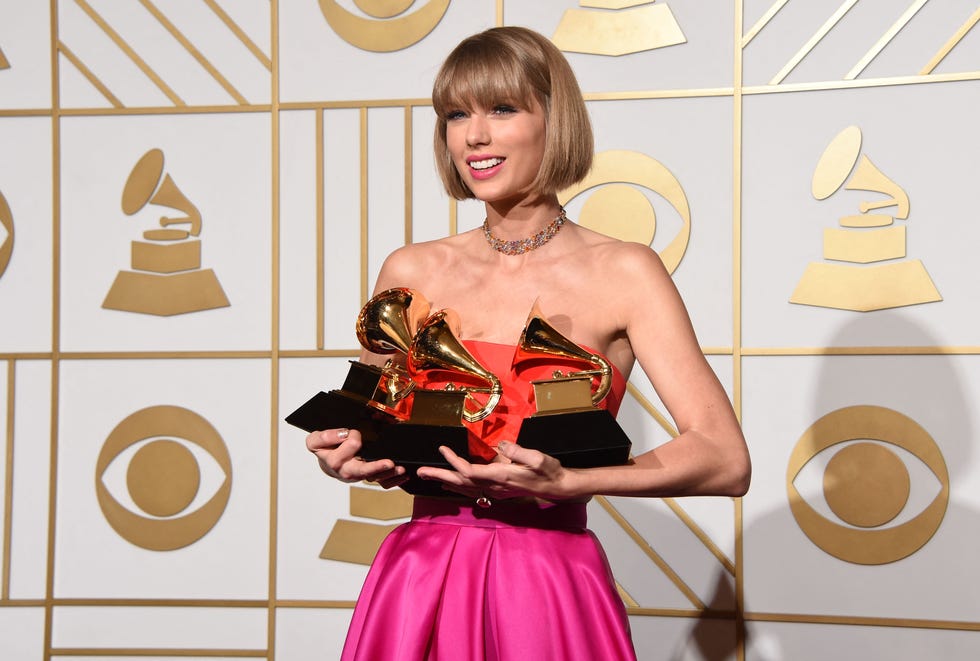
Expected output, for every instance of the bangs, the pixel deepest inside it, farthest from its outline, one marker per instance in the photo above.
(478, 74)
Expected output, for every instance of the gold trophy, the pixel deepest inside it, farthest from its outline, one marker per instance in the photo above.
(568, 424)
(371, 395)
(437, 414)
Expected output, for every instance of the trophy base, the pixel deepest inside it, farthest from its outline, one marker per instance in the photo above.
(580, 439)
(413, 445)
(335, 409)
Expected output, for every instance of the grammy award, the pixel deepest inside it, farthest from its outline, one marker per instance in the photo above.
(568, 424)
(371, 395)
(436, 413)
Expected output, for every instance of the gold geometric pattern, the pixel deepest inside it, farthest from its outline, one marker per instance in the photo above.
(137, 49)
(259, 32)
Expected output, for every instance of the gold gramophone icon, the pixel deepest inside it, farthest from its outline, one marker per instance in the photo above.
(167, 277)
(852, 279)
(568, 423)
(631, 27)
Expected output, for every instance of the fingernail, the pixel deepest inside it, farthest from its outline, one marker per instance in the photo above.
(342, 434)
(503, 444)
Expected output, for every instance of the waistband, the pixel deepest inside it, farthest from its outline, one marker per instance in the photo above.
(501, 514)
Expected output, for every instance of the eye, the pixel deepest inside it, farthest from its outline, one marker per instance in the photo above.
(163, 478)
(454, 115)
(504, 109)
(867, 485)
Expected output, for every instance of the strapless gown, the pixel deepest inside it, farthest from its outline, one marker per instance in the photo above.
(513, 582)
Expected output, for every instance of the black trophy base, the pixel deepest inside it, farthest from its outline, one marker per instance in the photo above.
(337, 409)
(579, 439)
(413, 445)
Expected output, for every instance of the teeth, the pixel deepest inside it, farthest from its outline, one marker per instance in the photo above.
(486, 163)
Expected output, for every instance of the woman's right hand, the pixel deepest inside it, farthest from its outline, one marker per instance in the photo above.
(336, 450)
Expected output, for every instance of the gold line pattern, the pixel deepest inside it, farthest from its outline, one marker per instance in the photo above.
(364, 206)
(56, 357)
(275, 145)
(951, 43)
(762, 22)
(238, 32)
(159, 652)
(8, 483)
(700, 534)
(644, 546)
(195, 53)
(320, 264)
(813, 41)
(132, 54)
(652, 410)
(408, 175)
(85, 71)
(885, 39)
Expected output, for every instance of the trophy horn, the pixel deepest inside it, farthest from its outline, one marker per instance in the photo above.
(540, 340)
(437, 346)
(387, 323)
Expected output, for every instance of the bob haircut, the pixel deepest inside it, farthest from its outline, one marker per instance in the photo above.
(514, 65)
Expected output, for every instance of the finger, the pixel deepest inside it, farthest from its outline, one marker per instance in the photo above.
(392, 481)
(328, 439)
(444, 475)
(519, 455)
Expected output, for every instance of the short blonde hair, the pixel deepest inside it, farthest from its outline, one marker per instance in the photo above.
(515, 65)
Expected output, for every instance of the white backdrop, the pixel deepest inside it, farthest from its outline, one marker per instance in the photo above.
(155, 504)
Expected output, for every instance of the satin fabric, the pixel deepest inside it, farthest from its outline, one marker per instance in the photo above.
(518, 581)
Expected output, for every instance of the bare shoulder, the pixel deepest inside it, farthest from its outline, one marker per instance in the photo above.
(622, 258)
(412, 264)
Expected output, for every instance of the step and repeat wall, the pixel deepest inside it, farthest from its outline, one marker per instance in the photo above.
(196, 197)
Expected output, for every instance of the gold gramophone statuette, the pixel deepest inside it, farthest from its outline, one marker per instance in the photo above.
(565, 391)
(568, 424)
(385, 325)
(437, 347)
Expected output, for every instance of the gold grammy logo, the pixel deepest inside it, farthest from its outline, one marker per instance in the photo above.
(6, 234)
(618, 209)
(866, 484)
(167, 278)
(865, 238)
(163, 477)
(358, 541)
(635, 26)
(387, 33)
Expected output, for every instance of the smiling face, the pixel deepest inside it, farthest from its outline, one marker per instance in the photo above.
(497, 150)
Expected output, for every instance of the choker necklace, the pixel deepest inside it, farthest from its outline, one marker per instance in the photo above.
(521, 246)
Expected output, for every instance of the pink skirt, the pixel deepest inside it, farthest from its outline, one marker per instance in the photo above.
(508, 583)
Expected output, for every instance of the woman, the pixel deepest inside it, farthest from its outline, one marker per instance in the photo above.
(521, 577)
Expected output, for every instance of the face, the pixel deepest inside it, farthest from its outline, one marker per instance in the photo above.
(497, 150)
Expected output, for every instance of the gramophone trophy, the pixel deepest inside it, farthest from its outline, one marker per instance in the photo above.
(437, 413)
(371, 395)
(568, 424)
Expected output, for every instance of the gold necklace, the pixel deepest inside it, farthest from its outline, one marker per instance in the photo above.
(521, 246)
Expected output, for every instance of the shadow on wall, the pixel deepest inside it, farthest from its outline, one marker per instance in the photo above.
(882, 534)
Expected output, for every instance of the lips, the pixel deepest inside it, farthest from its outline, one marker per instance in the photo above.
(482, 167)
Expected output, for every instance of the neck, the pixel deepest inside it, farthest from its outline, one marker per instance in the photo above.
(518, 220)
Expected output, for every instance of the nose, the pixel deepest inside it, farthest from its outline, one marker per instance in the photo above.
(477, 131)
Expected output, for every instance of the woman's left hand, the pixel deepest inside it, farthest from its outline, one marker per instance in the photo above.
(517, 472)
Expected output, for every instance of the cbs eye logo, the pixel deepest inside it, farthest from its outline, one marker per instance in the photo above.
(389, 28)
(866, 484)
(619, 208)
(163, 477)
